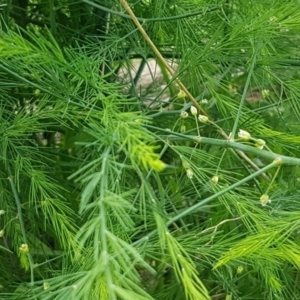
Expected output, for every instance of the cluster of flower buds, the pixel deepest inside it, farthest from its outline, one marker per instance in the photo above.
(201, 118)
(246, 136)
(194, 112)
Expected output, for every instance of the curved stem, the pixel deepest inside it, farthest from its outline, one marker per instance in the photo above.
(20, 217)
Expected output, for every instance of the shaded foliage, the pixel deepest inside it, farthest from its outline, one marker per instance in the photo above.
(105, 196)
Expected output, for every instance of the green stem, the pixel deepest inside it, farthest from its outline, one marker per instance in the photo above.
(273, 180)
(220, 161)
(20, 217)
(220, 193)
(236, 122)
(207, 200)
(229, 144)
(52, 17)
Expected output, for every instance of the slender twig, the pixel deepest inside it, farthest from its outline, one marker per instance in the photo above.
(159, 56)
(183, 16)
(20, 217)
(237, 118)
(106, 33)
(232, 134)
(10, 252)
(168, 54)
(216, 228)
(52, 12)
(296, 282)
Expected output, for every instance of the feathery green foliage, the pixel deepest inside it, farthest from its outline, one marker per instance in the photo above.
(109, 192)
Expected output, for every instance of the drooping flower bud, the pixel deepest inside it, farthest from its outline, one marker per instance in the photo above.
(278, 161)
(37, 92)
(244, 135)
(265, 93)
(185, 164)
(24, 248)
(184, 115)
(181, 94)
(189, 173)
(46, 285)
(215, 179)
(264, 199)
(203, 119)
(260, 144)
(194, 110)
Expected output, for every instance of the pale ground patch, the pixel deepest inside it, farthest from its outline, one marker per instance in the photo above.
(151, 84)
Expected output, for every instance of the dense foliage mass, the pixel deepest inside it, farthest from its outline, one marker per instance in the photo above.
(108, 193)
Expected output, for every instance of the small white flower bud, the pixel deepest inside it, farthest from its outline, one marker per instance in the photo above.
(189, 173)
(2, 212)
(198, 139)
(215, 179)
(24, 248)
(260, 143)
(183, 129)
(37, 92)
(264, 199)
(1, 233)
(181, 94)
(278, 161)
(184, 115)
(194, 110)
(204, 101)
(185, 164)
(46, 285)
(265, 93)
(203, 119)
(244, 135)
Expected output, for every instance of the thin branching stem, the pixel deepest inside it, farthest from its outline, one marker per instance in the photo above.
(242, 102)
(20, 217)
